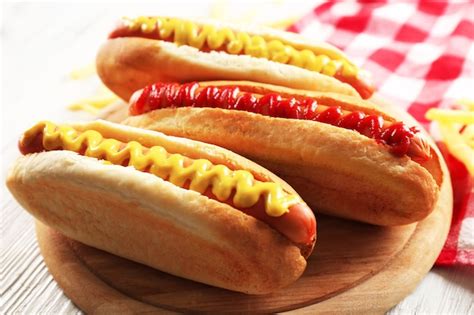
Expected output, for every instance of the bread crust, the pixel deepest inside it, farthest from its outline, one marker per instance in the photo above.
(336, 171)
(130, 63)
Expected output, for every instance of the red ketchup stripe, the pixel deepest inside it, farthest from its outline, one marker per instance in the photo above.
(164, 95)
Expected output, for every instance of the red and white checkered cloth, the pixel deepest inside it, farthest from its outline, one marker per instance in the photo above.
(421, 55)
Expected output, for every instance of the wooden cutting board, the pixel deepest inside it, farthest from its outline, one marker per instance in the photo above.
(354, 268)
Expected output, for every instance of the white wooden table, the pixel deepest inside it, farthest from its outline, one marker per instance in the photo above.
(42, 43)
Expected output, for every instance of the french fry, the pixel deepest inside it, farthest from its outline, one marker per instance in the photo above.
(450, 116)
(468, 135)
(466, 103)
(95, 103)
(83, 73)
(457, 146)
(457, 131)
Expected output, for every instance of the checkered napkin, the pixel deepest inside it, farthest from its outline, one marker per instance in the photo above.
(421, 55)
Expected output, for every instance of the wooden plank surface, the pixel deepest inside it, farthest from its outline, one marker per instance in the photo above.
(41, 44)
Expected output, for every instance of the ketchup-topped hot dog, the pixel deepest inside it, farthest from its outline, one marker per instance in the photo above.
(340, 153)
(145, 50)
(199, 211)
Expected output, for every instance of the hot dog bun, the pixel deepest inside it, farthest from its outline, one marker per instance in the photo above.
(338, 171)
(139, 216)
(132, 59)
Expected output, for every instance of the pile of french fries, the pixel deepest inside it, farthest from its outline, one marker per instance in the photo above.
(457, 130)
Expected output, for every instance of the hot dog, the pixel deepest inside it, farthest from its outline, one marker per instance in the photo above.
(344, 156)
(145, 50)
(187, 208)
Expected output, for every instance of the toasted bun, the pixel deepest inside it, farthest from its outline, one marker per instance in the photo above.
(337, 171)
(128, 64)
(141, 217)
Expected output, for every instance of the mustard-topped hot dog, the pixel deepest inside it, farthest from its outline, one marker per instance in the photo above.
(225, 208)
(144, 50)
(344, 156)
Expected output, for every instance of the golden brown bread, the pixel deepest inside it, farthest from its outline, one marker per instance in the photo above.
(337, 171)
(141, 217)
(128, 64)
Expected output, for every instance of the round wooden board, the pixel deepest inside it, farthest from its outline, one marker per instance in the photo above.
(355, 268)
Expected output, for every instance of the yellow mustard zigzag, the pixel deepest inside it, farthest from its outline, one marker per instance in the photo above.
(201, 173)
(188, 33)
